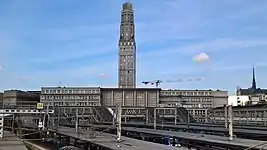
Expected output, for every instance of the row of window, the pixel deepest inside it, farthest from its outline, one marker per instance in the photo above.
(127, 29)
(173, 99)
(70, 91)
(43, 97)
(128, 65)
(186, 93)
(243, 114)
(72, 104)
(126, 44)
(127, 17)
(197, 106)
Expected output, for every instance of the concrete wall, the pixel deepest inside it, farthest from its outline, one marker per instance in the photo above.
(143, 97)
(220, 98)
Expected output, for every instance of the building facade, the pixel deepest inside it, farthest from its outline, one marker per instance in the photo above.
(130, 97)
(1, 98)
(70, 96)
(254, 114)
(12, 98)
(197, 102)
(127, 48)
(67, 100)
(134, 101)
(71, 101)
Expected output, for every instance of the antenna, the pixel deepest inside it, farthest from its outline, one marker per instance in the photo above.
(60, 84)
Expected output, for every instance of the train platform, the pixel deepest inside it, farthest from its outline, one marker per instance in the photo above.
(221, 141)
(109, 141)
(203, 138)
(11, 142)
(238, 130)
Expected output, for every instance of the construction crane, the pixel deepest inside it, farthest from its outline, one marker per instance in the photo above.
(158, 82)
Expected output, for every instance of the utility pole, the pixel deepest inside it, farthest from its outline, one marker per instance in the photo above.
(13, 123)
(2, 127)
(76, 121)
(20, 123)
(175, 116)
(44, 123)
(225, 116)
(44, 120)
(53, 116)
(119, 124)
(230, 113)
(125, 117)
(188, 118)
(47, 113)
(147, 112)
(155, 118)
(57, 117)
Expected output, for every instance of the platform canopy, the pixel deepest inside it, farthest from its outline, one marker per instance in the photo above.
(2, 113)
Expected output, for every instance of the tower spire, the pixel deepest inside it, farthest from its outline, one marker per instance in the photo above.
(254, 86)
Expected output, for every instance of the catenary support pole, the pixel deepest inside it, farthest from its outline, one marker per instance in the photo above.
(76, 120)
(119, 124)
(230, 113)
(225, 116)
(175, 116)
(155, 118)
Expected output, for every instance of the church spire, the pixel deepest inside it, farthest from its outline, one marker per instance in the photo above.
(253, 79)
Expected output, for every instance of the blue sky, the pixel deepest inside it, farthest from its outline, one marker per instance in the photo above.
(45, 43)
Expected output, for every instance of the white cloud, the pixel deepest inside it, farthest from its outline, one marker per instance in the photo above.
(23, 78)
(202, 57)
(1, 68)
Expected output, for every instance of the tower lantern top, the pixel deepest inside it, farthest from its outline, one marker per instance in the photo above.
(127, 6)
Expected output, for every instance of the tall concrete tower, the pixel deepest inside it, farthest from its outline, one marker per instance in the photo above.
(127, 48)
